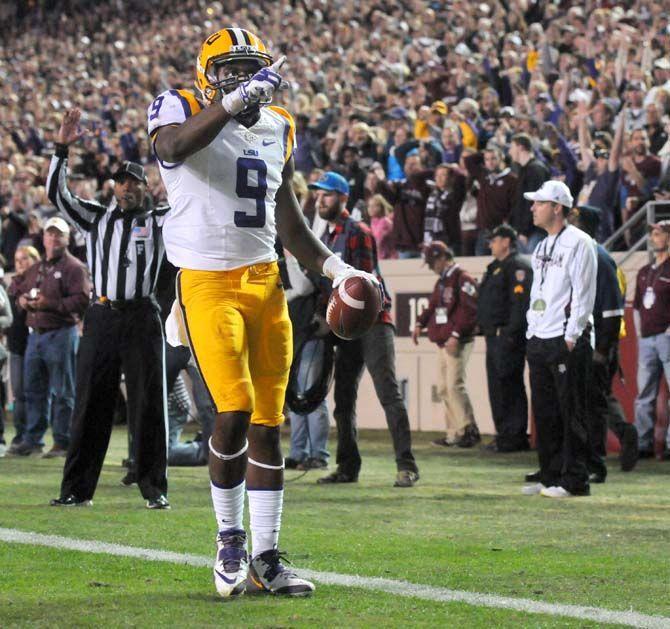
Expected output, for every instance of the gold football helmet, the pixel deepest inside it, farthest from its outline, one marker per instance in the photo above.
(225, 46)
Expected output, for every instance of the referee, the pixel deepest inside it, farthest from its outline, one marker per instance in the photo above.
(558, 351)
(122, 329)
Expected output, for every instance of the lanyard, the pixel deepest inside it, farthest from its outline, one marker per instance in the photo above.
(654, 274)
(546, 260)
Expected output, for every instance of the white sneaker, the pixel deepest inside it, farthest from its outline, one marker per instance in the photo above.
(555, 492)
(533, 490)
(232, 563)
(268, 574)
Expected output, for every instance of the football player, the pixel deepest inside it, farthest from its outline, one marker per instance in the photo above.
(226, 161)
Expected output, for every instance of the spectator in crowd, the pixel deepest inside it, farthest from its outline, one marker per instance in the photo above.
(409, 203)
(600, 163)
(451, 319)
(54, 293)
(122, 328)
(531, 174)
(442, 216)
(380, 212)
(641, 172)
(17, 340)
(5, 323)
(353, 243)
(495, 195)
(558, 349)
(608, 310)
(502, 303)
(652, 324)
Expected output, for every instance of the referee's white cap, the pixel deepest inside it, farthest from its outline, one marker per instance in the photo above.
(554, 191)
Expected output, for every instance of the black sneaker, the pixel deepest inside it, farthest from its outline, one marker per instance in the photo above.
(313, 464)
(70, 501)
(337, 477)
(158, 503)
(597, 478)
(533, 477)
(629, 448)
(406, 478)
(291, 464)
(267, 574)
(25, 449)
(129, 479)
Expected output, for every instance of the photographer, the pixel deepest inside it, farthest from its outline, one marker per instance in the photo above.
(54, 293)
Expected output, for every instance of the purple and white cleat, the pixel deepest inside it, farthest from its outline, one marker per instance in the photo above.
(232, 563)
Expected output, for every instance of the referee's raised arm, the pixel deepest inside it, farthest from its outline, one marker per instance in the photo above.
(84, 214)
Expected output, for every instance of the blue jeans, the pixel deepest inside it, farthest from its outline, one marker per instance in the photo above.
(408, 254)
(482, 243)
(48, 376)
(309, 433)
(19, 412)
(653, 356)
(534, 238)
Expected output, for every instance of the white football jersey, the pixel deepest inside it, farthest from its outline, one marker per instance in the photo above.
(222, 198)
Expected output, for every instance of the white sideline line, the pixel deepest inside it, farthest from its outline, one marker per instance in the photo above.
(399, 588)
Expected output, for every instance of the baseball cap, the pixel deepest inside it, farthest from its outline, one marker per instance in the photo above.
(662, 225)
(130, 168)
(331, 181)
(434, 250)
(58, 223)
(440, 107)
(636, 86)
(662, 64)
(507, 111)
(543, 97)
(504, 231)
(554, 191)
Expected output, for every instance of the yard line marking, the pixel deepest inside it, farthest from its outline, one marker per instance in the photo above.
(390, 586)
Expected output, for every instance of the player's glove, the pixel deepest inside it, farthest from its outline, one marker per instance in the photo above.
(258, 89)
(338, 271)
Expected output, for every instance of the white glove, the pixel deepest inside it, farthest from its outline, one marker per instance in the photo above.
(258, 89)
(338, 271)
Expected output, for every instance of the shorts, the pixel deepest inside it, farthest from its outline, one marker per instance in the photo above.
(241, 338)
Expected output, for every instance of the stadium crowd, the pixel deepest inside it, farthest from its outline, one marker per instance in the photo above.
(440, 115)
(422, 106)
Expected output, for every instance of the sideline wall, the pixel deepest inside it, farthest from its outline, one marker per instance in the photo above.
(410, 284)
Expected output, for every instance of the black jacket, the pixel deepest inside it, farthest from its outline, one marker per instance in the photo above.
(504, 294)
(531, 177)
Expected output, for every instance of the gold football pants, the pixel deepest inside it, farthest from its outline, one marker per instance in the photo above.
(241, 338)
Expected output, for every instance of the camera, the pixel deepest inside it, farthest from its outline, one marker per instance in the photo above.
(33, 293)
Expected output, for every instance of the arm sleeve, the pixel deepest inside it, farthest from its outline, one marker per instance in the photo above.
(6, 317)
(582, 270)
(84, 214)
(465, 315)
(519, 282)
(426, 314)
(77, 291)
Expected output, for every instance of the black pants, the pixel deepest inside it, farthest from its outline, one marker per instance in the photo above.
(507, 392)
(559, 383)
(129, 339)
(376, 351)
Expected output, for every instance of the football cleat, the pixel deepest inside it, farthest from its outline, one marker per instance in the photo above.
(232, 563)
(267, 574)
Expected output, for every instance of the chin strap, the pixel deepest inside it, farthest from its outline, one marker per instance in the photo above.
(227, 457)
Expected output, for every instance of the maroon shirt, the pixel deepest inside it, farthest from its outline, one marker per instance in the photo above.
(64, 282)
(455, 291)
(654, 310)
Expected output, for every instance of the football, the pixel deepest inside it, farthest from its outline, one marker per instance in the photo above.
(353, 307)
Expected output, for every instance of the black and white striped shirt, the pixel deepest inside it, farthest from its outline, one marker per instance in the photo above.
(124, 249)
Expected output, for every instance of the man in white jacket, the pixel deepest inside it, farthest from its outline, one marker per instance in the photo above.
(559, 351)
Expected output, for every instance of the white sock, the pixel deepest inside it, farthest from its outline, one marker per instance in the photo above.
(265, 507)
(228, 506)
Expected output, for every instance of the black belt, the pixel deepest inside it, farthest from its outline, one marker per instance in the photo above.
(44, 330)
(125, 304)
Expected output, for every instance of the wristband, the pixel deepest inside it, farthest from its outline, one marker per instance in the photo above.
(333, 266)
(233, 103)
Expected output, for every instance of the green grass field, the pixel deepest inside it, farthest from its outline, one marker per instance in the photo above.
(465, 526)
